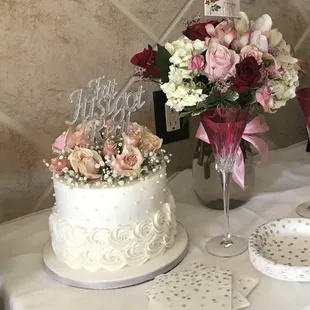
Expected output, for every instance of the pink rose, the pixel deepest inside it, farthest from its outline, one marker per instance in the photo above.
(128, 163)
(57, 164)
(60, 143)
(150, 142)
(251, 51)
(264, 97)
(86, 162)
(109, 148)
(196, 63)
(77, 138)
(220, 62)
(137, 129)
(70, 138)
(274, 73)
(131, 139)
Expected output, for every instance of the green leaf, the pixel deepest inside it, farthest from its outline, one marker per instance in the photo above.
(231, 95)
(247, 99)
(163, 63)
(198, 111)
(183, 114)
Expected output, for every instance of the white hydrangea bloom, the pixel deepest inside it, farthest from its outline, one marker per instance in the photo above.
(181, 91)
(177, 75)
(285, 89)
(183, 95)
(182, 50)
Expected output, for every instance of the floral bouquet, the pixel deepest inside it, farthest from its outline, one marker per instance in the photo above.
(222, 71)
(111, 162)
(227, 64)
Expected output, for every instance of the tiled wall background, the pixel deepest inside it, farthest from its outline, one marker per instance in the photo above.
(49, 48)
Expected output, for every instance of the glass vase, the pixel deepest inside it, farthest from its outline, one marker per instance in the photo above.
(206, 180)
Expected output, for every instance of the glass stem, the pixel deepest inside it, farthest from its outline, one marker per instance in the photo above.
(225, 181)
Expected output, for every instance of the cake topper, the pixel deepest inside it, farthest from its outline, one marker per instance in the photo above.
(222, 8)
(104, 113)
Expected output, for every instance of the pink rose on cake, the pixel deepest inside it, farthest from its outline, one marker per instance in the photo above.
(136, 129)
(70, 138)
(150, 142)
(86, 162)
(58, 164)
(109, 148)
(131, 139)
(128, 163)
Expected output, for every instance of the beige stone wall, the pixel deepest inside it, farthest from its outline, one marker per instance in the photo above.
(49, 48)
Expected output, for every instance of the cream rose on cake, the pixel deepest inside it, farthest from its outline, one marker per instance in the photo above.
(86, 162)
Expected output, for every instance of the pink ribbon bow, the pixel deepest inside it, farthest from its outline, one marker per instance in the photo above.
(253, 127)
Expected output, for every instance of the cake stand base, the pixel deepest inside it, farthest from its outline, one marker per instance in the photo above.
(105, 280)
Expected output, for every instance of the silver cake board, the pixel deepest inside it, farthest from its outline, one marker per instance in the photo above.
(128, 276)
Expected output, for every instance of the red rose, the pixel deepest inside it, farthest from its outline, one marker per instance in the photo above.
(198, 31)
(146, 60)
(248, 75)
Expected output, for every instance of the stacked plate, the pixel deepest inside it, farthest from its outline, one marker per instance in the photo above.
(281, 249)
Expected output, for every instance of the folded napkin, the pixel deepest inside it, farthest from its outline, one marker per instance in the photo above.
(200, 287)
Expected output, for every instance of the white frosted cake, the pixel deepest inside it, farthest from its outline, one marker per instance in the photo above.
(113, 208)
(110, 228)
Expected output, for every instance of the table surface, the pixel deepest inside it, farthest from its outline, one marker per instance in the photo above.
(280, 186)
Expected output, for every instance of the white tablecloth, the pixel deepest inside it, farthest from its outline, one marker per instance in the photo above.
(280, 186)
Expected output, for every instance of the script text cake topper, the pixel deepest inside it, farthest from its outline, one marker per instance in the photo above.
(104, 113)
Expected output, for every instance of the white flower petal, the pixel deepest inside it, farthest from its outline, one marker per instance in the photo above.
(264, 24)
(242, 25)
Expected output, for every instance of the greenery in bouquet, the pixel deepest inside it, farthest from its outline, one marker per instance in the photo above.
(228, 64)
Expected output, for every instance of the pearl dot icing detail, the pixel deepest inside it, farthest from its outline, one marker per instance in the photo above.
(128, 216)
